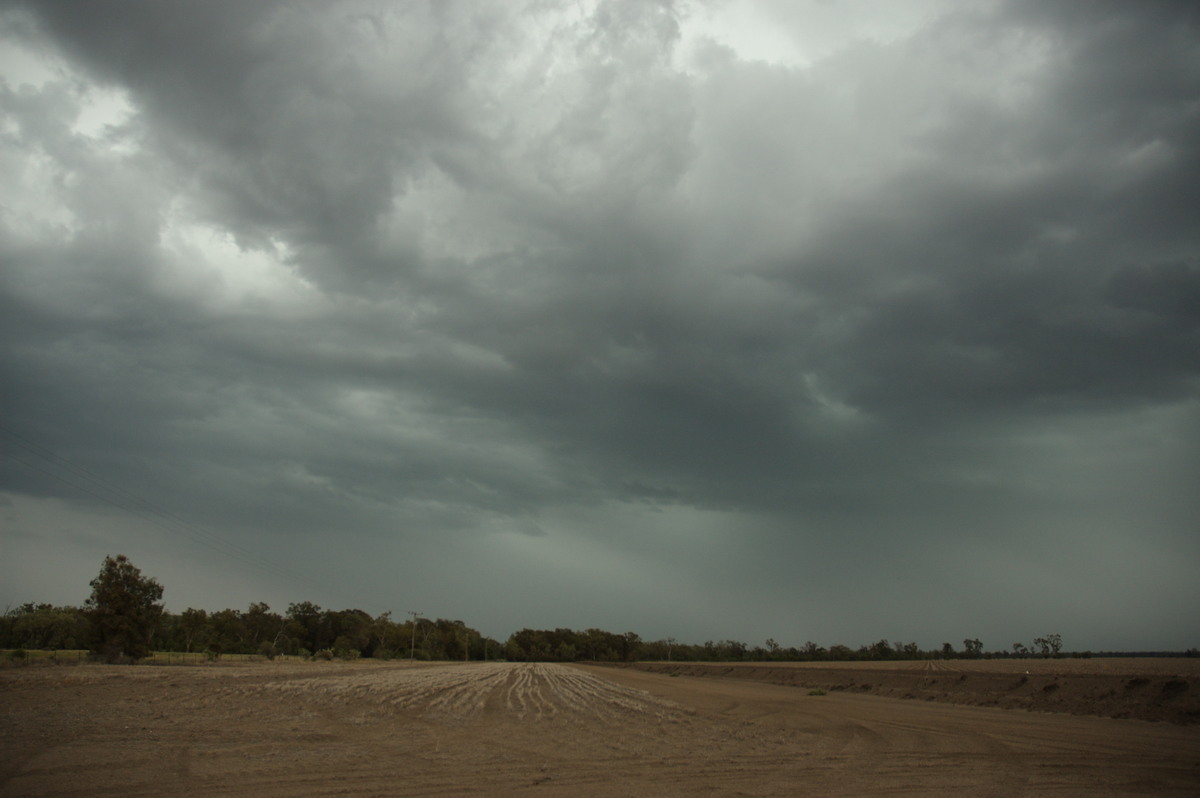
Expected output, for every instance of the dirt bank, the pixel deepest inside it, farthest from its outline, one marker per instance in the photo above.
(1141, 688)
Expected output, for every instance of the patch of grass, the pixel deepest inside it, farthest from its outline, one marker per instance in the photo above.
(196, 658)
(816, 691)
(37, 653)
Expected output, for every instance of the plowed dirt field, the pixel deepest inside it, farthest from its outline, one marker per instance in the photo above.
(368, 728)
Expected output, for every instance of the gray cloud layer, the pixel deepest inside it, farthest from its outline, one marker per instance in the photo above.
(541, 316)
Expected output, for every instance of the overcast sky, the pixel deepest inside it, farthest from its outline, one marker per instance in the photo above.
(829, 321)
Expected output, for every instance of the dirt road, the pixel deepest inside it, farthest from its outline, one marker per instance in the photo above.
(366, 728)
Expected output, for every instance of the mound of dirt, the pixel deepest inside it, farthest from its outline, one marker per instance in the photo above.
(1158, 690)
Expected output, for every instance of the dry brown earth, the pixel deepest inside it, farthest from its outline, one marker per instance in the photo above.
(368, 728)
(1146, 688)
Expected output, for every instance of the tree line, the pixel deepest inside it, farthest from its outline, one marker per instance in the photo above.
(566, 645)
(305, 630)
(124, 620)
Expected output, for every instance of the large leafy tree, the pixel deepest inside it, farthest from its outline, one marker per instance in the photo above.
(123, 611)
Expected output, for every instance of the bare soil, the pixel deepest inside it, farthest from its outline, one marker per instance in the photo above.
(370, 728)
(1146, 688)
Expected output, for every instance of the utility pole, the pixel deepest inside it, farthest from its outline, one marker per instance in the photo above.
(413, 643)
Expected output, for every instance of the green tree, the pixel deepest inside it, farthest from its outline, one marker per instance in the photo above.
(193, 629)
(226, 630)
(44, 626)
(880, 650)
(304, 624)
(350, 630)
(1049, 646)
(123, 610)
(261, 627)
(385, 636)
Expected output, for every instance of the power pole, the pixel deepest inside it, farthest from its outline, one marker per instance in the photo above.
(413, 643)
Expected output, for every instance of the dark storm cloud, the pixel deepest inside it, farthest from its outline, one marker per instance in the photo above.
(278, 119)
(522, 289)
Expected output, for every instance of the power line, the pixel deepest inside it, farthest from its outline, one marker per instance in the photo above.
(133, 504)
